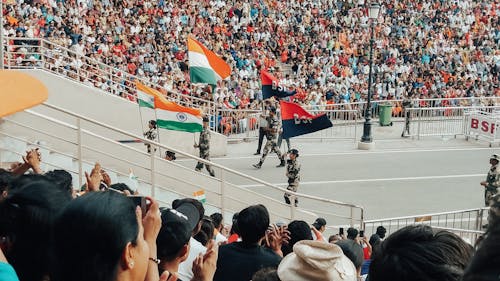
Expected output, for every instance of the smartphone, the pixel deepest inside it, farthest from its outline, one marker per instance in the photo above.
(341, 231)
(139, 201)
(361, 233)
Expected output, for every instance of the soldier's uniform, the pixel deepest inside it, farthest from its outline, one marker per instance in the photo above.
(150, 135)
(271, 135)
(293, 175)
(204, 145)
(406, 113)
(492, 181)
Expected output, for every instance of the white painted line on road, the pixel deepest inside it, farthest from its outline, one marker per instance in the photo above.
(359, 153)
(374, 180)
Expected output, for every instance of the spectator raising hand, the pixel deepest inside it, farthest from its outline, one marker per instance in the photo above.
(275, 237)
(33, 159)
(151, 221)
(204, 266)
(94, 179)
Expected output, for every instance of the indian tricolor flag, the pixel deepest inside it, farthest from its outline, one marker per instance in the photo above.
(200, 196)
(172, 116)
(145, 95)
(204, 65)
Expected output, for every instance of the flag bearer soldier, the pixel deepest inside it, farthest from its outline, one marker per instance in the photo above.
(204, 146)
(271, 135)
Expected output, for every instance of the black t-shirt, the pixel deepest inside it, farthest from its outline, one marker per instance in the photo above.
(238, 261)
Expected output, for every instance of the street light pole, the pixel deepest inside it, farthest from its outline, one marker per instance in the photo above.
(367, 126)
(367, 139)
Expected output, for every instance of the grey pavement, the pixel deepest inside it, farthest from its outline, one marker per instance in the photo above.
(400, 177)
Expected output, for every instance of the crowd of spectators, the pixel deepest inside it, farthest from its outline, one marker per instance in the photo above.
(51, 231)
(425, 49)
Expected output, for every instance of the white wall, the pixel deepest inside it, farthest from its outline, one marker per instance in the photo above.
(114, 111)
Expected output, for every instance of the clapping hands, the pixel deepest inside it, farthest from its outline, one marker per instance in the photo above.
(276, 236)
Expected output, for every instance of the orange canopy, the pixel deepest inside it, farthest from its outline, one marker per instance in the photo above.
(19, 91)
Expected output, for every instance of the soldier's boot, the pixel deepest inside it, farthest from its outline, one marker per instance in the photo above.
(282, 163)
(258, 165)
(212, 173)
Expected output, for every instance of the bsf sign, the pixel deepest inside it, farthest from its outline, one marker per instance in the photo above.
(482, 126)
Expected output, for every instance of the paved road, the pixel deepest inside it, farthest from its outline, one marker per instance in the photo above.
(400, 178)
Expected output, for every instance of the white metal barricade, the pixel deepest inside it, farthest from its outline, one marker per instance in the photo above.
(451, 121)
(482, 124)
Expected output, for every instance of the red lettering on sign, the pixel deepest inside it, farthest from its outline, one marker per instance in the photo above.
(474, 123)
(485, 126)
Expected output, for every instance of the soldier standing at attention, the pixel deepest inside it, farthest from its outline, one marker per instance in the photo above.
(292, 173)
(271, 134)
(204, 147)
(492, 182)
(406, 113)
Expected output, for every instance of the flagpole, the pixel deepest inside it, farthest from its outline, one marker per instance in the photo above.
(140, 116)
(158, 130)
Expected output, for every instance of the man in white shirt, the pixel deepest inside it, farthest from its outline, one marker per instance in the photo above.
(186, 267)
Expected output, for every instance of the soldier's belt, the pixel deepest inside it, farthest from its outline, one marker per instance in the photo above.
(491, 189)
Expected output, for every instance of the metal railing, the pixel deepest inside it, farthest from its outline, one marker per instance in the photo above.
(467, 222)
(415, 103)
(244, 124)
(483, 124)
(37, 53)
(442, 121)
(75, 137)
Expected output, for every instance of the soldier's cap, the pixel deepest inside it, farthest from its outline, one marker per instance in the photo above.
(495, 157)
(170, 154)
(294, 152)
(272, 109)
(205, 119)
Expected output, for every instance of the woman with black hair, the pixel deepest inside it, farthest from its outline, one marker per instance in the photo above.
(27, 217)
(206, 233)
(116, 243)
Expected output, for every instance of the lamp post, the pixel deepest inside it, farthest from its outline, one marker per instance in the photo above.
(367, 138)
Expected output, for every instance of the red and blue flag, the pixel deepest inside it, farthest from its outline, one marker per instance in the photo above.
(296, 121)
(271, 87)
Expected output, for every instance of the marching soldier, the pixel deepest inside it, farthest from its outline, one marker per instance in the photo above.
(204, 147)
(292, 173)
(151, 134)
(492, 182)
(271, 134)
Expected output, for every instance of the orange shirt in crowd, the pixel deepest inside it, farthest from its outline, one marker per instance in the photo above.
(284, 56)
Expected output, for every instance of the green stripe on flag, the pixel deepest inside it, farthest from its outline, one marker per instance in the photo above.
(143, 103)
(179, 126)
(202, 75)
